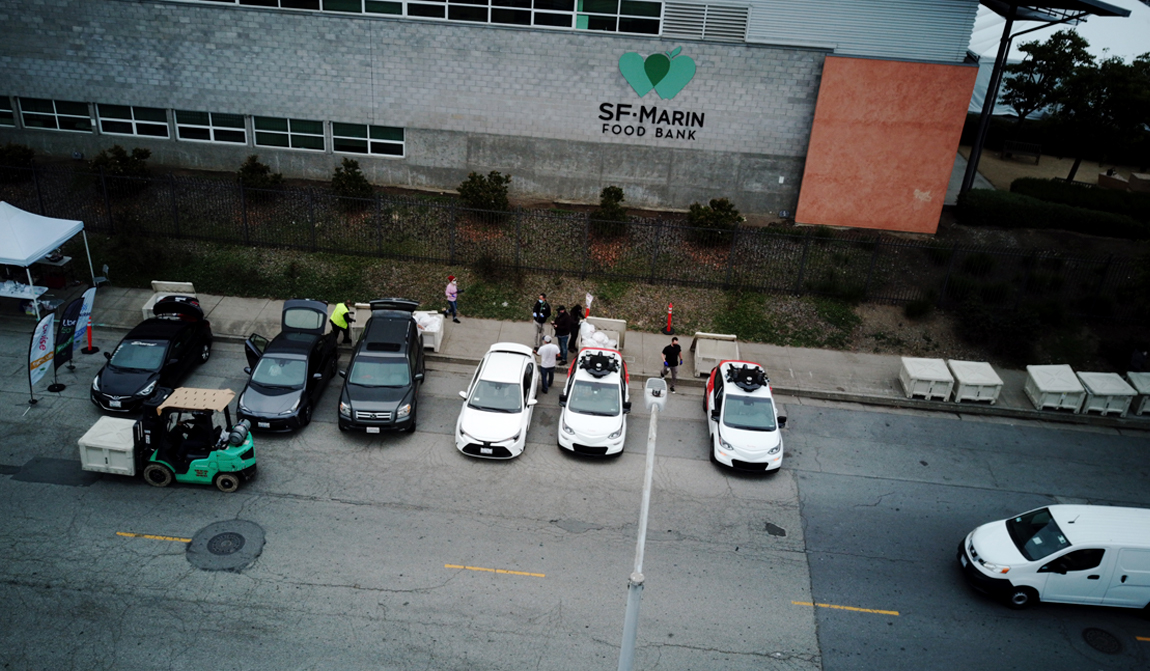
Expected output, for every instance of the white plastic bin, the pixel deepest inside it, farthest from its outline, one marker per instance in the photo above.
(1054, 386)
(929, 378)
(711, 348)
(431, 328)
(1141, 384)
(108, 447)
(1106, 393)
(161, 288)
(974, 381)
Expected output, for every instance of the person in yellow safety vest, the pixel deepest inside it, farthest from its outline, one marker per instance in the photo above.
(340, 318)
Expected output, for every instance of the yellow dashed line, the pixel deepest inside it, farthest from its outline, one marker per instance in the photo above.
(852, 608)
(494, 570)
(155, 538)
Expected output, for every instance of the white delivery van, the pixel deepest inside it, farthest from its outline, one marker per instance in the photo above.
(1096, 555)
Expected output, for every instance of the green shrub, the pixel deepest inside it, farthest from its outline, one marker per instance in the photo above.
(610, 220)
(713, 224)
(19, 158)
(986, 207)
(126, 174)
(256, 175)
(1129, 203)
(486, 192)
(348, 182)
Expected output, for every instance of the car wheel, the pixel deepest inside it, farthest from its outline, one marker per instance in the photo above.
(158, 475)
(411, 427)
(1021, 597)
(305, 418)
(227, 482)
(205, 352)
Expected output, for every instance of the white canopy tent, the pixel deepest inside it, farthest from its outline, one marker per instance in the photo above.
(25, 238)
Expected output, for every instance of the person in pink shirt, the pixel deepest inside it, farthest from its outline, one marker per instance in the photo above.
(452, 293)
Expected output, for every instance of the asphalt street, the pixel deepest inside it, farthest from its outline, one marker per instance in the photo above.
(396, 551)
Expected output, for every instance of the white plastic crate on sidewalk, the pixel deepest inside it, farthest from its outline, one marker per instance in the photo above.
(974, 381)
(711, 348)
(1141, 384)
(430, 328)
(1106, 393)
(161, 288)
(929, 378)
(1054, 386)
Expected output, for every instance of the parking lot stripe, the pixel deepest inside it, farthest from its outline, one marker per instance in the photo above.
(494, 570)
(155, 538)
(852, 608)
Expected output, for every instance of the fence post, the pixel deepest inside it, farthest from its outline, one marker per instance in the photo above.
(802, 264)
(243, 210)
(107, 201)
(39, 194)
(946, 280)
(659, 226)
(731, 257)
(870, 271)
(378, 225)
(175, 204)
(311, 218)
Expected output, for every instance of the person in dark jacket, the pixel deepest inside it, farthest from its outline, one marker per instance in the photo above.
(563, 325)
(540, 314)
(576, 318)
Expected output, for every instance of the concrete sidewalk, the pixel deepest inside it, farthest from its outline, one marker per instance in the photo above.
(795, 371)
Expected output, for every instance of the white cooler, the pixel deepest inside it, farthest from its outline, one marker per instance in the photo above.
(975, 381)
(711, 348)
(1141, 384)
(108, 447)
(1054, 386)
(1106, 393)
(929, 378)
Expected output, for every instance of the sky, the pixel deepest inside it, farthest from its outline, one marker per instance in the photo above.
(1126, 37)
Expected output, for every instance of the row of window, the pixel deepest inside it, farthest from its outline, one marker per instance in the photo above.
(616, 16)
(306, 134)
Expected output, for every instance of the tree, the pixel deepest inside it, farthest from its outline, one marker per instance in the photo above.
(256, 175)
(1034, 82)
(486, 193)
(610, 220)
(348, 181)
(116, 162)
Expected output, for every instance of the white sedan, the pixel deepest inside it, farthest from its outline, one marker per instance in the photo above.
(497, 406)
(595, 404)
(742, 419)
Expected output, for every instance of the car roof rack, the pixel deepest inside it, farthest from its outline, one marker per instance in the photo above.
(599, 364)
(748, 378)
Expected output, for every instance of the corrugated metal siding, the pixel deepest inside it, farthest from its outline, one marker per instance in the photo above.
(924, 30)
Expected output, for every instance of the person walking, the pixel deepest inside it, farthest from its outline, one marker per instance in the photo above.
(548, 354)
(540, 314)
(576, 317)
(452, 293)
(672, 359)
(340, 319)
(563, 325)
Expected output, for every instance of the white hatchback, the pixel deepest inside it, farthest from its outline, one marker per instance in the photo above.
(743, 421)
(498, 404)
(595, 404)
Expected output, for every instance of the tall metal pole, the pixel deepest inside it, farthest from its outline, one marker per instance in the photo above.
(988, 103)
(635, 583)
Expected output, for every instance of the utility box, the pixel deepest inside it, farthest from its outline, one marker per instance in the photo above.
(430, 326)
(161, 288)
(1054, 387)
(929, 378)
(711, 348)
(1141, 384)
(974, 381)
(109, 447)
(1106, 393)
(612, 329)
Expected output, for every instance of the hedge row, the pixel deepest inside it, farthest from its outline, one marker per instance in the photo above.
(1136, 205)
(1059, 139)
(986, 207)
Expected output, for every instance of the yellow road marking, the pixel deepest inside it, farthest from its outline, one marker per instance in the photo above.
(1143, 638)
(494, 570)
(155, 538)
(852, 608)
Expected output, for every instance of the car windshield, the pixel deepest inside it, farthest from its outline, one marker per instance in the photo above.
(272, 371)
(496, 396)
(750, 414)
(1036, 534)
(379, 373)
(594, 398)
(140, 355)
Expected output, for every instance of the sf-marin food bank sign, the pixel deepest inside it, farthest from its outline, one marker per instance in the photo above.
(666, 74)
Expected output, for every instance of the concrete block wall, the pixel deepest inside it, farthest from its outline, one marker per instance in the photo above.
(471, 98)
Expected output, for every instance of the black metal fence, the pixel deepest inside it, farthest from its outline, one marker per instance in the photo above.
(819, 261)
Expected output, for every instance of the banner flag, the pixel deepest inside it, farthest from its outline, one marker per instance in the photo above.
(64, 338)
(84, 318)
(42, 350)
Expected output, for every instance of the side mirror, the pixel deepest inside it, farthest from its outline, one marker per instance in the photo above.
(248, 370)
(108, 356)
(532, 402)
(173, 361)
(626, 407)
(463, 395)
(418, 377)
(715, 414)
(342, 373)
(562, 399)
(317, 376)
(782, 421)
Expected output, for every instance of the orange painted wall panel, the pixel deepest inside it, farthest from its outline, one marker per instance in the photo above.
(883, 143)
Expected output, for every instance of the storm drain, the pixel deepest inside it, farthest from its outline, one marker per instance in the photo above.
(226, 546)
(1102, 641)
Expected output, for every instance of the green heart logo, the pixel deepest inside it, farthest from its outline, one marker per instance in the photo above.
(667, 73)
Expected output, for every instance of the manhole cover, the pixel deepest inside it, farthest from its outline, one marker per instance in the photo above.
(226, 543)
(1102, 641)
(226, 546)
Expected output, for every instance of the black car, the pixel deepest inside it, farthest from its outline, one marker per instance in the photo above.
(379, 392)
(159, 352)
(289, 373)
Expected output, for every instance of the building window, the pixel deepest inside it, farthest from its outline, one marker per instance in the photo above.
(351, 138)
(288, 133)
(619, 16)
(56, 115)
(7, 117)
(125, 120)
(283, 4)
(210, 127)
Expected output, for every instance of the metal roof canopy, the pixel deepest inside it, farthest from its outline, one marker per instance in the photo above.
(1048, 12)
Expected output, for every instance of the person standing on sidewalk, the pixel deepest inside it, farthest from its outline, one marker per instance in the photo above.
(452, 293)
(672, 359)
(563, 325)
(540, 314)
(576, 317)
(548, 354)
(340, 319)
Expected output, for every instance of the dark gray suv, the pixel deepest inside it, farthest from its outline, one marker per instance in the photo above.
(386, 369)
